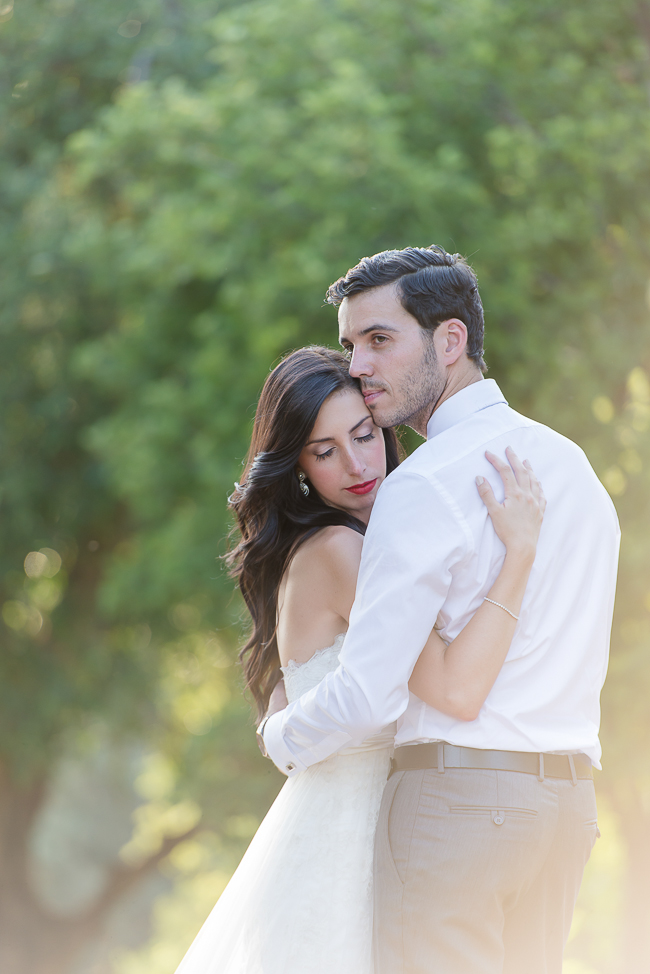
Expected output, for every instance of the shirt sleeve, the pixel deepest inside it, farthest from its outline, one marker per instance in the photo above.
(415, 541)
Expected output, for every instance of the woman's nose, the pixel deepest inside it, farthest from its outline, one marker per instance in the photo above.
(356, 464)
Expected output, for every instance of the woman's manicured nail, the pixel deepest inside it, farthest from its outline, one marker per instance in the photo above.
(479, 481)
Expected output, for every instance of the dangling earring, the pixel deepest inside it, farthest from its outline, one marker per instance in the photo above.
(303, 486)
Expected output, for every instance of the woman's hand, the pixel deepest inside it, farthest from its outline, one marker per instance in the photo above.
(517, 521)
(457, 678)
(278, 699)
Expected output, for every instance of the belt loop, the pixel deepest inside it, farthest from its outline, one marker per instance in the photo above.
(441, 758)
(572, 765)
(540, 776)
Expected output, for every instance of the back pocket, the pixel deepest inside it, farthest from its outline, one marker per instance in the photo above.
(498, 815)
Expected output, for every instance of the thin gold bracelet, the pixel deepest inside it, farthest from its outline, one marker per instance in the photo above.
(516, 618)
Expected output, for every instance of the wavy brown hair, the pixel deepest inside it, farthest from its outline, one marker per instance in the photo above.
(274, 517)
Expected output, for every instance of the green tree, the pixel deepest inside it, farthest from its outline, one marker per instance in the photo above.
(64, 665)
(187, 233)
(514, 134)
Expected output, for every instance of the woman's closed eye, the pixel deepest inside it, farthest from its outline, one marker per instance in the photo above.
(359, 439)
(321, 456)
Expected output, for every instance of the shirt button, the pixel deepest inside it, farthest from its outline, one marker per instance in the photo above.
(499, 818)
(291, 767)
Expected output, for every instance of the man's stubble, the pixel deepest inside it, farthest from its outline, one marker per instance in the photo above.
(418, 393)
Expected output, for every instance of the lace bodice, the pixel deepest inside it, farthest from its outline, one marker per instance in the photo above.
(301, 677)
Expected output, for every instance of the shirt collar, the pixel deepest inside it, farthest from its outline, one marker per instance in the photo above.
(471, 399)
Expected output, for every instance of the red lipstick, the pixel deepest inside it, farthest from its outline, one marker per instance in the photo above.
(362, 488)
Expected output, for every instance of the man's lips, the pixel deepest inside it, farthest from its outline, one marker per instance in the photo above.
(362, 488)
(371, 395)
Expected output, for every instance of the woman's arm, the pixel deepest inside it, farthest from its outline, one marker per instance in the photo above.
(457, 678)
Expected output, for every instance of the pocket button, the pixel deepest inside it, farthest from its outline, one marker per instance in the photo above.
(498, 818)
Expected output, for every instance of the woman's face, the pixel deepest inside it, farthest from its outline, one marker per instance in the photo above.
(345, 457)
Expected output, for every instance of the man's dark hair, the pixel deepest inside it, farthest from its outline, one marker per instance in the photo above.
(433, 286)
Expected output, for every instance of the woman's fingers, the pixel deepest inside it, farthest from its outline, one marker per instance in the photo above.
(518, 519)
(535, 486)
(521, 472)
(278, 699)
(487, 495)
(504, 470)
(519, 479)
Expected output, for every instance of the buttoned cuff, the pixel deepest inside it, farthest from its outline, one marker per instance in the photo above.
(276, 749)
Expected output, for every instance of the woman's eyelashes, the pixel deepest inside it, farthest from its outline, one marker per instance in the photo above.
(359, 439)
(321, 456)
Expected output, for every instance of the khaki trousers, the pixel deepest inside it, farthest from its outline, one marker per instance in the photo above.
(477, 872)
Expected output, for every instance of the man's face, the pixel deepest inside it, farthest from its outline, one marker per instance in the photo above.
(393, 357)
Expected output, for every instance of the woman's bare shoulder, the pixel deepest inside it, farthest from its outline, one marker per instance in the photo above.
(317, 592)
(323, 566)
(330, 548)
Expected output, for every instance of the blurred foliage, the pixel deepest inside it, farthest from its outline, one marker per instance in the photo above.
(181, 183)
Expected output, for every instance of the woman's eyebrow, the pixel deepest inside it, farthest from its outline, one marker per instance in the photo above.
(356, 425)
(326, 439)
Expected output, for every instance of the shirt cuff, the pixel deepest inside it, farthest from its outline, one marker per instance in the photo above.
(276, 749)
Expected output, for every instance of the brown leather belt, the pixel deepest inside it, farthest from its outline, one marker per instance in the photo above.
(440, 755)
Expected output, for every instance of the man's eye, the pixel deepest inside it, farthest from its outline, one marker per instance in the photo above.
(380, 338)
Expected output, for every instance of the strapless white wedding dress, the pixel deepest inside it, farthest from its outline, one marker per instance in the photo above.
(300, 901)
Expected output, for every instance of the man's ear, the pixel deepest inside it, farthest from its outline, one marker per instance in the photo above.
(451, 340)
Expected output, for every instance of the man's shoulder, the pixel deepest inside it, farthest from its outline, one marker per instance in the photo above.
(557, 445)
(472, 435)
(476, 433)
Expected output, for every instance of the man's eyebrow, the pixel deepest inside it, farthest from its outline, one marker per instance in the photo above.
(326, 439)
(366, 331)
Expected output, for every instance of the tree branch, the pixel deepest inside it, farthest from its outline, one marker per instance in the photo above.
(124, 878)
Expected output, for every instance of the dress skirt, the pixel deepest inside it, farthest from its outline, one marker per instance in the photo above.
(300, 901)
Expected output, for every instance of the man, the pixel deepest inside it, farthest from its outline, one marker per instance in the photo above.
(486, 824)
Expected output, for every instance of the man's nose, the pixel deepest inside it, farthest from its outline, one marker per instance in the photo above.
(360, 364)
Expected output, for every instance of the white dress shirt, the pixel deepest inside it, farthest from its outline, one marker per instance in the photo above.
(431, 553)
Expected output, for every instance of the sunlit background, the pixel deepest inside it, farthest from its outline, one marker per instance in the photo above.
(180, 181)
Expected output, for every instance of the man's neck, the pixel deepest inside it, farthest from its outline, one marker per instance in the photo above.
(456, 380)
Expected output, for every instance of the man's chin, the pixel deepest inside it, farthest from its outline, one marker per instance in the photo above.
(384, 411)
(383, 417)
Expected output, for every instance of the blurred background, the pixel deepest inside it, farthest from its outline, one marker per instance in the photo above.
(180, 181)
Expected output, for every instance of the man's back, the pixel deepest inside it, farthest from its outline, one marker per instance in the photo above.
(430, 556)
(481, 842)
(546, 696)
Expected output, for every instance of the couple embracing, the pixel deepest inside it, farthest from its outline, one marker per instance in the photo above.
(440, 628)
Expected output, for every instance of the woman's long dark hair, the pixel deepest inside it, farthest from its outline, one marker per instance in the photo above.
(273, 515)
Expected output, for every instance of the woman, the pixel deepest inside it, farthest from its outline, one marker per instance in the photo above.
(301, 900)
